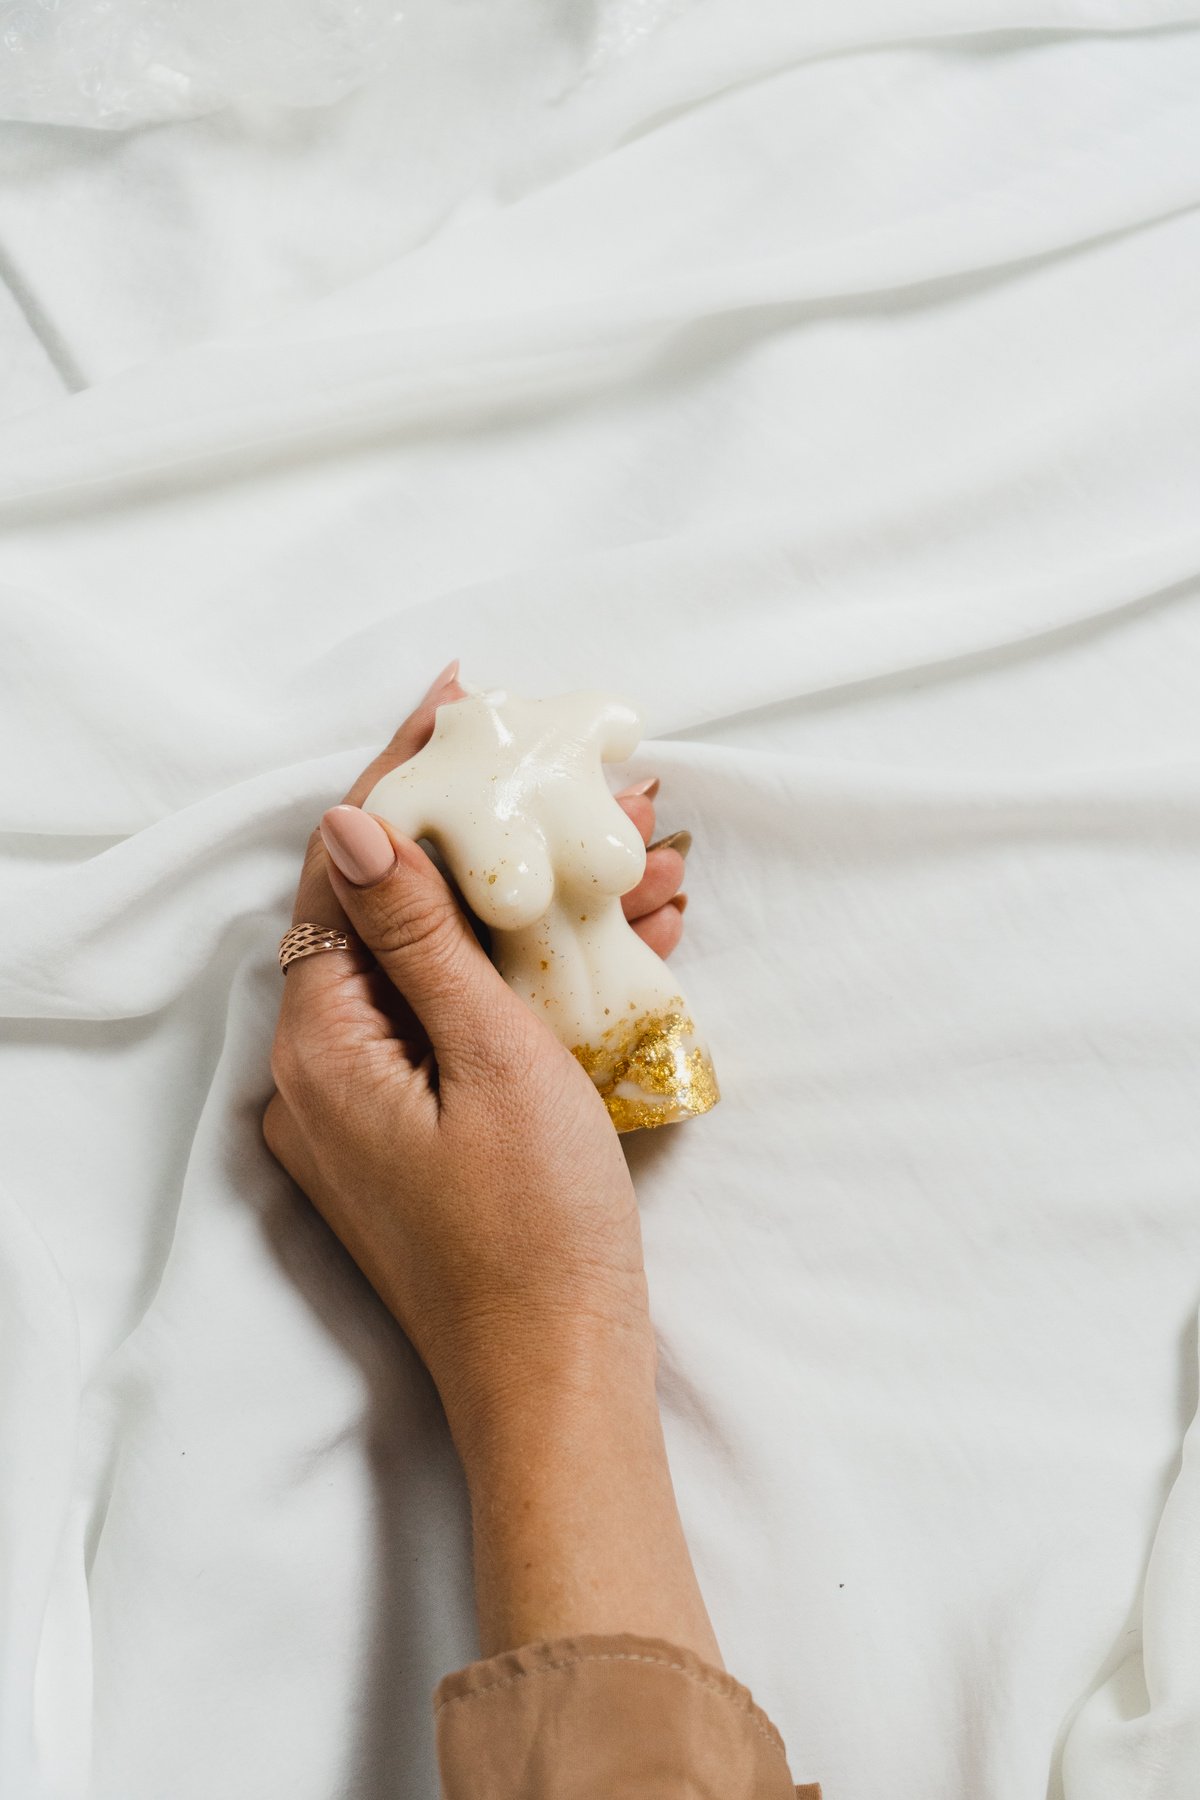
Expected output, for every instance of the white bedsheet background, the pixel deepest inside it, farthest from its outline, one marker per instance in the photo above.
(825, 378)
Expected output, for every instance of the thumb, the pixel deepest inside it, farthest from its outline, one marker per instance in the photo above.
(406, 915)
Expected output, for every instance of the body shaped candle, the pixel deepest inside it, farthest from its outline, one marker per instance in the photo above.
(512, 794)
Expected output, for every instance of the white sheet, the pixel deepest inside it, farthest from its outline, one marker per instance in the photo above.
(826, 379)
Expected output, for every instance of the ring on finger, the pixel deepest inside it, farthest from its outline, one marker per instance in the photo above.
(309, 940)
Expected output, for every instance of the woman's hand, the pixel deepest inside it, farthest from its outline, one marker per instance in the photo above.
(452, 1143)
(468, 1164)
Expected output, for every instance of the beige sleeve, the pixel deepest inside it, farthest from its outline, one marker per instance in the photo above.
(588, 1718)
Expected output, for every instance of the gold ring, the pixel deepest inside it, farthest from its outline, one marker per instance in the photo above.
(306, 940)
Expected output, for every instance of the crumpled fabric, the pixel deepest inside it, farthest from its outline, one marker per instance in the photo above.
(823, 379)
(114, 66)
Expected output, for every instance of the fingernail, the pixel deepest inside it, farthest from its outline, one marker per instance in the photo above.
(443, 680)
(678, 840)
(647, 788)
(679, 900)
(357, 845)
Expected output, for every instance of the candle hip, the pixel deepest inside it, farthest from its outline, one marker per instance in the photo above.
(512, 793)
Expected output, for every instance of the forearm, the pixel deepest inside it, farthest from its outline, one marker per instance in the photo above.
(575, 1521)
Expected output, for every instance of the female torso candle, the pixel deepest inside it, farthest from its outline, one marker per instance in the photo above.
(512, 794)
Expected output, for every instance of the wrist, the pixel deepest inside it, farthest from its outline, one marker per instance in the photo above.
(575, 1523)
(521, 1397)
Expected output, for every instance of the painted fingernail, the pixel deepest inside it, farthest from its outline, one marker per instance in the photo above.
(447, 675)
(645, 789)
(357, 845)
(678, 900)
(678, 840)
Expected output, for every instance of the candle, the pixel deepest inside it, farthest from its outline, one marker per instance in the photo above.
(512, 794)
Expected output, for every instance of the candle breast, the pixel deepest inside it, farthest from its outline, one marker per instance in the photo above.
(512, 793)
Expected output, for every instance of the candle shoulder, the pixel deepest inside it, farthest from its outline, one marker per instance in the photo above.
(513, 794)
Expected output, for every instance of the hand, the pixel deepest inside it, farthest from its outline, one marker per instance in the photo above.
(457, 1149)
(468, 1164)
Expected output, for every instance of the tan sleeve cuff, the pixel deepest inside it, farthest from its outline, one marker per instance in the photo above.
(585, 1718)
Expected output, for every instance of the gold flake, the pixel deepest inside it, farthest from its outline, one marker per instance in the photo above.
(656, 1055)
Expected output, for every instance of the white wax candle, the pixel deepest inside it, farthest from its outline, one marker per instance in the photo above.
(513, 795)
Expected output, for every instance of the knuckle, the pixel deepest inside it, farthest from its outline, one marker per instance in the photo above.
(273, 1125)
(293, 1069)
(427, 923)
(283, 1060)
(318, 1072)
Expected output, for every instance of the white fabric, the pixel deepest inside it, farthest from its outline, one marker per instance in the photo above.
(135, 62)
(826, 379)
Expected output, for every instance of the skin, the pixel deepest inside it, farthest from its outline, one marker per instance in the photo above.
(469, 1166)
